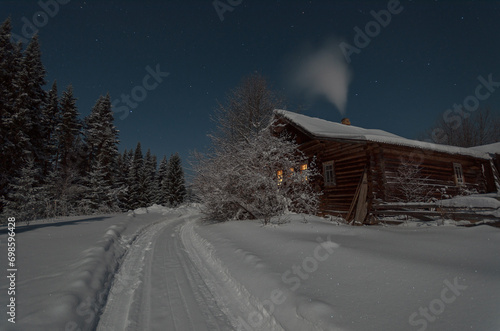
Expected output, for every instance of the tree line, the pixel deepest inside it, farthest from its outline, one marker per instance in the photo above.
(54, 163)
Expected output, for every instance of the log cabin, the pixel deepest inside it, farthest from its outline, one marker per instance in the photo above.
(494, 151)
(362, 167)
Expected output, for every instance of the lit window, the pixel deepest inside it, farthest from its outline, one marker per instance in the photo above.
(459, 174)
(279, 174)
(329, 174)
(303, 167)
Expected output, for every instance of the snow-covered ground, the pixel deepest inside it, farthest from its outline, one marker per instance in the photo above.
(64, 267)
(317, 275)
(166, 270)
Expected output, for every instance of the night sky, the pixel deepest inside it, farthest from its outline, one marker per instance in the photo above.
(427, 58)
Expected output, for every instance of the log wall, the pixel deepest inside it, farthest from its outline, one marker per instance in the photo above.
(436, 170)
(350, 160)
(381, 162)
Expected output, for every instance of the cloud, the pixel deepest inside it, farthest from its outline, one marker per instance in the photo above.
(322, 72)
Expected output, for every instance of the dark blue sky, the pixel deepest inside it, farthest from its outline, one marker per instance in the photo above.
(425, 60)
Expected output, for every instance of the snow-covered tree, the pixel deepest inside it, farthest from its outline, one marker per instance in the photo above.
(260, 177)
(63, 193)
(162, 182)
(67, 131)
(149, 174)
(154, 190)
(9, 61)
(247, 110)
(96, 197)
(101, 137)
(249, 172)
(22, 77)
(62, 186)
(409, 184)
(121, 180)
(25, 200)
(136, 186)
(28, 104)
(9, 66)
(176, 190)
(51, 122)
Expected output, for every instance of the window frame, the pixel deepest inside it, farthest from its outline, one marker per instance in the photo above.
(329, 182)
(458, 174)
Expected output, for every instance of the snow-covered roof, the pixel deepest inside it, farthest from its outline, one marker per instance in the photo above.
(320, 128)
(490, 148)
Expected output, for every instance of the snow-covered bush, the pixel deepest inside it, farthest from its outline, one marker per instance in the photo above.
(410, 185)
(256, 178)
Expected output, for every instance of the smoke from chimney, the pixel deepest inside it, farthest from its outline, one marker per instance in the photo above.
(322, 72)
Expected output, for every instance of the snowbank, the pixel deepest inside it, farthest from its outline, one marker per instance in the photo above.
(65, 268)
(471, 202)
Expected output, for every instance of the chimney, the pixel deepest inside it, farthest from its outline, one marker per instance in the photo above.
(345, 121)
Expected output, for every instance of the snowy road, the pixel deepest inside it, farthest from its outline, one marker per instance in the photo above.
(158, 287)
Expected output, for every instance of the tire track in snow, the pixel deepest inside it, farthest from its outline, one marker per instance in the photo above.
(232, 297)
(164, 289)
(127, 281)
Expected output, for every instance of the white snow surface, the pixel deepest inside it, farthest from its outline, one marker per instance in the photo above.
(325, 129)
(489, 203)
(165, 269)
(490, 148)
(65, 268)
(471, 201)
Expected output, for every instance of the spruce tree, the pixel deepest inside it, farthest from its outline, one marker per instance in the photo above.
(149, 177)
(22, 77)
(9, 66)
(101, 137)
(25, 201)
(109, 143)
(96, 198)
(127, 172)
(51, 121)
(121, 180)
(136, 179)
(68, 130)
(175, 178)
(154, 185)
(162, 182)
(28, 104)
